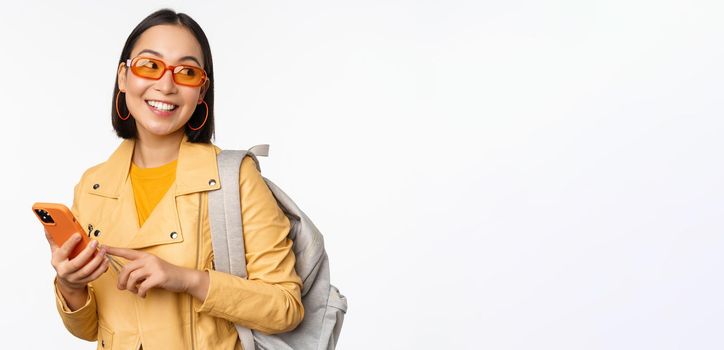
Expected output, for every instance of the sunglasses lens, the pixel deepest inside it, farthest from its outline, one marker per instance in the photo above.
(187, 75)
(148, 68)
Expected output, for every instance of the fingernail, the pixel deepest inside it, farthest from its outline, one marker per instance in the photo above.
(94, 243)
(76, 237)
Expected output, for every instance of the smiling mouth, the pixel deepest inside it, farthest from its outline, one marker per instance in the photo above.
(161, 106)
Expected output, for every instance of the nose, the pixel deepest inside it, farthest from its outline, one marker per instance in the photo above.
(166, 84)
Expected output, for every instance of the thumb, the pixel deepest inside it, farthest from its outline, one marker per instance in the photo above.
(69, 245)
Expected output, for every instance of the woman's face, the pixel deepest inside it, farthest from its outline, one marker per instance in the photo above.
(174, 45)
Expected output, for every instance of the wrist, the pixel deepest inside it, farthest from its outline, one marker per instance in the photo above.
(198, 284)
(68, 289)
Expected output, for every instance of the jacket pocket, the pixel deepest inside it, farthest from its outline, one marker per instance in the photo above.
(105, 338)
(333, 318)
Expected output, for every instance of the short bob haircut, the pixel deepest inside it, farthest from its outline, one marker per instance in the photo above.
(127, 128)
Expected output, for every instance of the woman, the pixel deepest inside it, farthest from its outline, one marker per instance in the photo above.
(147, 206)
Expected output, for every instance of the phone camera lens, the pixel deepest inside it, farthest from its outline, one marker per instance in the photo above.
(44, 216)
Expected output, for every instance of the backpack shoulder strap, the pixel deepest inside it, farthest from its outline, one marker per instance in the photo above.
(260, 150)
(225, 216)
(225, 211)
(227, 236)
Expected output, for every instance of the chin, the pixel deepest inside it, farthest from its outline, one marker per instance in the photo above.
(160, 129)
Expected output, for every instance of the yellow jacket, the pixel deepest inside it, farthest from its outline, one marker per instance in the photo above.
(178, 231)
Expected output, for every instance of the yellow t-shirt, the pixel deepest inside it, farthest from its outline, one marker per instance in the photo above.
(149, 186)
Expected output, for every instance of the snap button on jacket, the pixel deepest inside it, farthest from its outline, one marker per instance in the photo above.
(178, 231)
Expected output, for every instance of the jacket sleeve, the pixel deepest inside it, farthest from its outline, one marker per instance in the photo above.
(270, 299)
(83, 323)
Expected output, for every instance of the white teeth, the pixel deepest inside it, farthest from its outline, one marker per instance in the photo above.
(161, 105)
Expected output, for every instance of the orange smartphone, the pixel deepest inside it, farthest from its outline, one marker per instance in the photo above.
(60, 224)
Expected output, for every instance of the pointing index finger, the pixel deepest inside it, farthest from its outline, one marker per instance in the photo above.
(129, 254)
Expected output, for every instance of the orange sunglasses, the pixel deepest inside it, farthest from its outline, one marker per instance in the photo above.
(154, 68)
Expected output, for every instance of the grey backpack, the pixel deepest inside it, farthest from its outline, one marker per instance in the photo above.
(324, 306)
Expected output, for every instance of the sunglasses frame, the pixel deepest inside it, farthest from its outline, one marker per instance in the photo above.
(130, 61)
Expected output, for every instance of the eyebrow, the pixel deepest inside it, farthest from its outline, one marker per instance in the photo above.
(182, 58)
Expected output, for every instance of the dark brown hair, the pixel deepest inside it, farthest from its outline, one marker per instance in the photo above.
(127, 128)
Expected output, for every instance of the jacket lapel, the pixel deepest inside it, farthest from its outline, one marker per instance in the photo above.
(196, 172)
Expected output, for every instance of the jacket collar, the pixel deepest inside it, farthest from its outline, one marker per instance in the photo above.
(196, 169)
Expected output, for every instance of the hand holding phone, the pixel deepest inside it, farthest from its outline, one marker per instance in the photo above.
(75, 257)
(87, 266)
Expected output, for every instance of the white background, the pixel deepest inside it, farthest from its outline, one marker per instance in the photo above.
(488, 174)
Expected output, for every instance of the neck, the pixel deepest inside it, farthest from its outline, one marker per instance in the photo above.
(152, 151)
